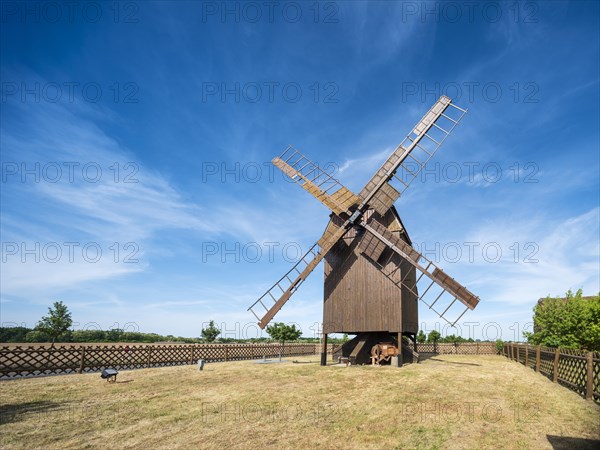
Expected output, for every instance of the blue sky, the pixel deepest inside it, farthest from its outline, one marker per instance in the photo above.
(149, 129)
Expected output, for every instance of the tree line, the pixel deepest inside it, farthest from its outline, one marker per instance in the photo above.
(435, 337)
(56, 327)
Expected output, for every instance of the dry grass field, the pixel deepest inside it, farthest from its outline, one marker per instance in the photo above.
(449, 401)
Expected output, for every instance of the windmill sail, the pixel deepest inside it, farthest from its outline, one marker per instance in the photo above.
(411, 156)
(283, 289)
(445, 283)
(316, 181)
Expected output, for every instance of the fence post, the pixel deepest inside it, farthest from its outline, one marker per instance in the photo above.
(537, 359)
(589, 389)
(556, 357)
(226, 352)
(526, 355)
(251, 351)
(521, 346)
(149, 358)
(478, 348)
(192, 354)
(82, 360)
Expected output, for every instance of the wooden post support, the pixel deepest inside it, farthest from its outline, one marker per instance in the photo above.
(226, 352)
(251, 351)
(400, 356)
(192, 354)
(526, 355)
(555, 372)
(324, 350)
(149, 361)
(589, 388)
(537, 359)
(82, 360)
(478, 348)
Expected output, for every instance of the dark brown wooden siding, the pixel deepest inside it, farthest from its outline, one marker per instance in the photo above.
(360, 296)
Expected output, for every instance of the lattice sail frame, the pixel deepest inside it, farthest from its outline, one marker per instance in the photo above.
(379, 194)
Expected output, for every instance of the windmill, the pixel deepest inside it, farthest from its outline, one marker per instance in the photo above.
(374, 278)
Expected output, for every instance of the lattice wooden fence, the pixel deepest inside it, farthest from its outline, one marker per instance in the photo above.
(467, 348)
(31, 361)
(464, 348)
(574, 369)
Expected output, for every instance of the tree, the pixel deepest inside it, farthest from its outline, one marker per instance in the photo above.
(57, 322)
(114, 335)
(499, 346)
(210, 333)
(421, 337)
(569, 322)
(434, 337)
(282, 332)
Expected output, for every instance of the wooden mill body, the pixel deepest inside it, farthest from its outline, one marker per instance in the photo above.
(361, 298)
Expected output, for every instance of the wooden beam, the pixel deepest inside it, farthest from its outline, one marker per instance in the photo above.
(399, 360)
(556, 358)
(589, 388)
(324, 350)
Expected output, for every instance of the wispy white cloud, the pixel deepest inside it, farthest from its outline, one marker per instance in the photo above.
(562, 254)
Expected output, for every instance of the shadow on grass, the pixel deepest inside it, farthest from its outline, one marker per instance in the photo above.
(16, 412)
(432, 357)
(572, 443)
